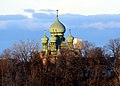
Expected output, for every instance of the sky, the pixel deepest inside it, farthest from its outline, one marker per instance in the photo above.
(83, 7)
(93, 20)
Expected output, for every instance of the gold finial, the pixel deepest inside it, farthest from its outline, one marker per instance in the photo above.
(57, 13)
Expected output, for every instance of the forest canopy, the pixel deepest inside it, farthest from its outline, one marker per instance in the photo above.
(24, 65)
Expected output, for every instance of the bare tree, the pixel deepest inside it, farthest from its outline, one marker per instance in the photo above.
(24, 50)
(6, 53)
(67, 69)
(114, 47)
(87, 49)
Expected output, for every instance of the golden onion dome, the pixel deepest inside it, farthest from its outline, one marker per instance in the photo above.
(70, 38)
(57, 26)
(45, 39)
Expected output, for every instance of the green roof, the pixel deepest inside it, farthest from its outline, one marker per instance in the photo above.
(57, 26)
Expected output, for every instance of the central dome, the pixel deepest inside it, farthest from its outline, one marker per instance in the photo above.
(57, 26)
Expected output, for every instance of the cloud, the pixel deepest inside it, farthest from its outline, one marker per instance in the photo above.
(97, 25)
(113, 25)
(29, 10)
(72, 21)
(47, 10)
(99, 22)
(13, 17)
(37, 26)
(101, 25)
(43, 16)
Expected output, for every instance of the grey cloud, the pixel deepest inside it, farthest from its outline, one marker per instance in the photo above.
(113, 25)
(41, 10)
(101, 25)
(13, 17)
(91, 18)
(100, 22)
(73, 21)
(29, 10)
(48, 10)
(44, 16)
(37, 25)
(96, 25)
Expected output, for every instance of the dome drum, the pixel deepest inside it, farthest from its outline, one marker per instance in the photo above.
(53, 39)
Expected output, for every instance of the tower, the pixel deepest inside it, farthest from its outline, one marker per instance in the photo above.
(44, 42)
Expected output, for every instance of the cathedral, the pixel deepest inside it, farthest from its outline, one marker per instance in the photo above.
(57, 39)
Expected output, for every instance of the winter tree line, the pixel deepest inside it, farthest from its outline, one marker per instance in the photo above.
(23, 65)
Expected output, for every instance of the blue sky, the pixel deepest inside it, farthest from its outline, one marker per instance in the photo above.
(96, 21)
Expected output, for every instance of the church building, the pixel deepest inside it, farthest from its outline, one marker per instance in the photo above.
(57, 39)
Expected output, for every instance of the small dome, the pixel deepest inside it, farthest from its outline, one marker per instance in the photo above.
(70, 37)
(57, 26)
(45, 39)
(53, 39)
